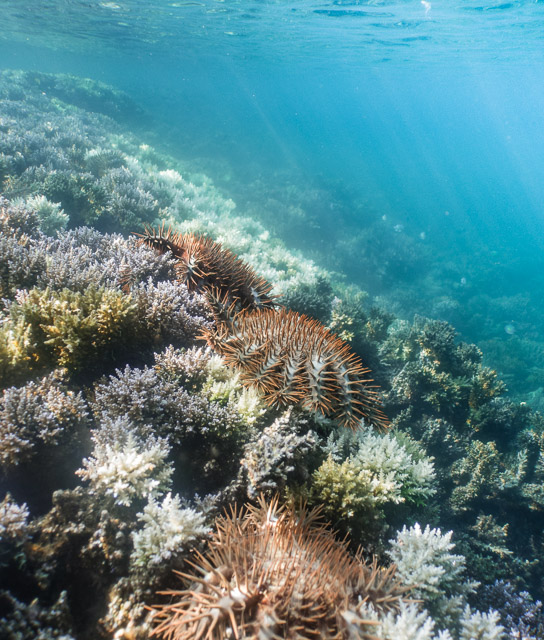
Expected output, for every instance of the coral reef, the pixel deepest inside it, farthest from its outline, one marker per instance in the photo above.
(102, 374)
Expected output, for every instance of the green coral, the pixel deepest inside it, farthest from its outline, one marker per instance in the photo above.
(81, 197)
(351, 496)
(76, 331)
(477, 476)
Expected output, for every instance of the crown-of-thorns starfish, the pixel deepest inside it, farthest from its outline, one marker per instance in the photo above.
(204, 265)
(293, 359)
(272, 572)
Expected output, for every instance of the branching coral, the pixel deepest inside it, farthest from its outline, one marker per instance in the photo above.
(13, 519)
(413, 624)
(206, 437)
(520, 615)
(67, 329)
(278, 454)
(50, 215)
(84, 257)
(167, 529)
(264, 578)
(81, 332)
(128, 469)
(380, 470)
(425, 561)
(37, 416)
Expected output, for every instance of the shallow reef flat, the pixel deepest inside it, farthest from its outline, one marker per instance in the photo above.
(130, 451)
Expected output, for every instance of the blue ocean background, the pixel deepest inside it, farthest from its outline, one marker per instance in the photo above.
(398, 144)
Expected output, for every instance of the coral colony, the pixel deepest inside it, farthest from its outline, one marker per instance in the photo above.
(174, 406)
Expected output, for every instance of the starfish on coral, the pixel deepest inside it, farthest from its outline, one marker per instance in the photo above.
(271, 572)
(293, 359)
(205, 266)
(290, 358)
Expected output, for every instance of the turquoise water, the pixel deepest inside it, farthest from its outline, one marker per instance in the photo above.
(408, 134)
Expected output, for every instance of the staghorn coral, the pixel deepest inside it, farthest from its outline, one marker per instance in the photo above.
(435, 374)
(16, 221)
(476, 625)
(413, 624)
(205, 266)
(263, 577)
(82, 332)
(312, 299)
(423, 558)
(294, 359)
(21, 259)
(409, 624)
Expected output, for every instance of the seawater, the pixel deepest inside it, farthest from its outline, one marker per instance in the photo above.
(399, 144)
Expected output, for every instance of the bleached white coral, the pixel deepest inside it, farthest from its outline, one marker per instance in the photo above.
(13, 519)
(128, 469)
(167, 528)
(424, 558)
(250, 405)
(480, 626)
(413, 623)
(391, 463)
(410, 624)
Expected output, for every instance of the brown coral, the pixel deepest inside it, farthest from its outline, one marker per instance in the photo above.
(294, 359)
(205, 266)
(272, 573)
